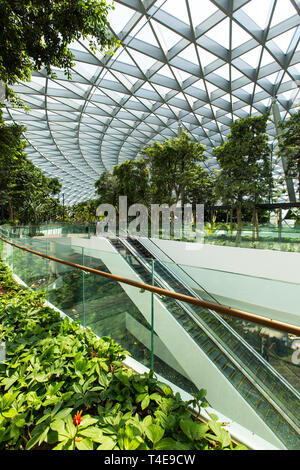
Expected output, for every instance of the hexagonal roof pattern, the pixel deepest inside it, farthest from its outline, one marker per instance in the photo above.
(200, 64)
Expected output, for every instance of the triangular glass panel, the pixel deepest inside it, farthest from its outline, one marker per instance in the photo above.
(284, 40)
(205, 57)
(180, 74)
(166, 71)
(143, 61)
(220, 33)
(235, 73)
(239, 35)
(248, 88)
(259, 11)
(223, 71)
(252, 57)
(176, 8)
(166, 37)
(146, 35)
(284, 9)
(267, 58)
(199, 15)
(189, 53)
(119, 17)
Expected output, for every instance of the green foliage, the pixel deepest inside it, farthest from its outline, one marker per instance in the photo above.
(84, 211)
(131, 178)
(55, 369)
(245, 174)
(133, 181)
(244, 162)
(25, 192)
(289, 145)
(38, 33)
(173, 167)
(107, 189)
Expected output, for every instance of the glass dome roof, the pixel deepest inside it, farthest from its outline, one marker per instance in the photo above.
(200, 64)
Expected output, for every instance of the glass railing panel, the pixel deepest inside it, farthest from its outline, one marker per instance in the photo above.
(124, 313)
(263, 296)
(261, 364)
(226, 339)
(267, 238)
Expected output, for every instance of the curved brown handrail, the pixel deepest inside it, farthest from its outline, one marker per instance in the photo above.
(274, 324)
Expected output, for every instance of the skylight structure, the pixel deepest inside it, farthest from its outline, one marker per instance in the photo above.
(197, 64)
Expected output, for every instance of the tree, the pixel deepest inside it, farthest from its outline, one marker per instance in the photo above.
(133, 181)
(25, 192)
(38, 33)
(201, 188)
(245, 166)
(107, 189)
(84, 211)
(289, 145)
(173, 166)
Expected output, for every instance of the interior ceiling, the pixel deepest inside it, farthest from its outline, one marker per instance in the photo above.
(200, 63)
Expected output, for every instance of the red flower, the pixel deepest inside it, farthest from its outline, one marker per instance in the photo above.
(77, 418)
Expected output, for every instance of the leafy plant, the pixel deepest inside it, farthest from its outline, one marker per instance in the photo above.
(62, 388)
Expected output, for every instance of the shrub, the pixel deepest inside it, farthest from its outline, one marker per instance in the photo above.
(62, 388)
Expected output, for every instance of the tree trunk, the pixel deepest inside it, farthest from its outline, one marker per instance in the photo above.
(279, 223)
(231, 221)
(255, 223)
(11, 211)
(239, 220)
(213, 218)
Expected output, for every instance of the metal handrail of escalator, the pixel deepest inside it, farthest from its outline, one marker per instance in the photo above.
(233, 312)
(273, 403)
(222, 321)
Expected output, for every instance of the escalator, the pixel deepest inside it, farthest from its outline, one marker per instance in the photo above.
(274, 401)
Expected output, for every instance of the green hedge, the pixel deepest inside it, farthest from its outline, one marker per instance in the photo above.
(63, 388)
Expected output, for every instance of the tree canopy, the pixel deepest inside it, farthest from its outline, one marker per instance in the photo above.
(38, 33)
(26, 193)
(133, 181)
(173, 167)
(245, 166)
(289, 145)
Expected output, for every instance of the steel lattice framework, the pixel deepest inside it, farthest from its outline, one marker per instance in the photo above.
(200, 64)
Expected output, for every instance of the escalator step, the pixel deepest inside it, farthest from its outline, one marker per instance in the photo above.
(211, 350)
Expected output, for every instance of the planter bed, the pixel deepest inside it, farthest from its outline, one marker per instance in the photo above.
(63, 388)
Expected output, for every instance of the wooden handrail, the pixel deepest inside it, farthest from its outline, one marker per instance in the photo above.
(267, 322)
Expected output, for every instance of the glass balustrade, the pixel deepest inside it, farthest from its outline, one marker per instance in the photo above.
(261, 364)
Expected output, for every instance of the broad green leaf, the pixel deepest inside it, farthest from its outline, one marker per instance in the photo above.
(154, 432)
(192, 429)
(52, 437)
(165, 388)
(66, 444)
(9, 413)
(93, 433)
(107, 443)
(145, 402)
(156, 397)
(83, 444)
(63, 413)
(123, 378)
(225, 438)
(140, 397)
(39, 435)
(129, 438)
(215, 427)
(240, 447)
(58, 425)
(170, 444)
